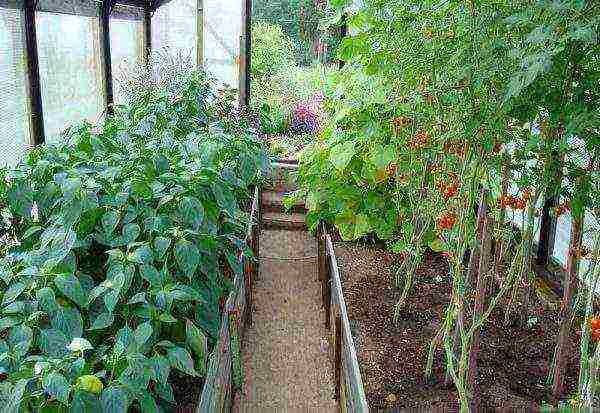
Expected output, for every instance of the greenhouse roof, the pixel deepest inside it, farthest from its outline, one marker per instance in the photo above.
(82, 7)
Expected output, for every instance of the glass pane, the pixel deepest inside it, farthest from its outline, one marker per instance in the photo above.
(14, 126)
(175, 27)
(70, 70)
(222, 30)
(126, 49)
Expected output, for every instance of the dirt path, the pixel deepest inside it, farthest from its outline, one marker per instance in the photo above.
(285, 352)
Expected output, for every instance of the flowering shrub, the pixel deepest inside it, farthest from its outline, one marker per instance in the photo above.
(307, 115)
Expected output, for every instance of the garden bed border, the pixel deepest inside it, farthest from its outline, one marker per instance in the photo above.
(225, 362)
(349, 388)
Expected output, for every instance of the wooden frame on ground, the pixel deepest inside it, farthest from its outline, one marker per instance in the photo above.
(349, 387)
(219, 386)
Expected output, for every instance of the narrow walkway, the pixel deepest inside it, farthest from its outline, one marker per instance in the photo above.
(285, 352)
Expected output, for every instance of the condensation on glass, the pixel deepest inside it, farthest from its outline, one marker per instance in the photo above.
(126, 45)
(69, 49)
(14, 112)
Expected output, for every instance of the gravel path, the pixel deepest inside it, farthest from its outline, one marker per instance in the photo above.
(285, 352)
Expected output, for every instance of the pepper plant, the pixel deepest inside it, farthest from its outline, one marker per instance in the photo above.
(123, 245)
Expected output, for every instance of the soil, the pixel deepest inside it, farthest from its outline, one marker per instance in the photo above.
(513, 361)
(186, 390)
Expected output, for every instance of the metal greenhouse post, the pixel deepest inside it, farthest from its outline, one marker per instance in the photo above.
(200, 33)
(148, 9)
(105, 11)
(33, 75)
(245, 54)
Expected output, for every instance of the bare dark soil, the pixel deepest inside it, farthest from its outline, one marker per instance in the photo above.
(513, 362)
(186, 390)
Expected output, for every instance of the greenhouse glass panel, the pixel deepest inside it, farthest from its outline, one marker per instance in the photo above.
(126, 45)
(175, 28)
(70, 70)
(14, 122)
(222, 31)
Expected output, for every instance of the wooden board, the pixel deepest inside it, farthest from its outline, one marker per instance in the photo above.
(217, 394)
(351, 391)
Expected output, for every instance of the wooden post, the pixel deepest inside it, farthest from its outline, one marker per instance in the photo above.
(547, 232)
(257, 234)
(321, 262)
(548, 221)
(485, 249)
(337, 346)
(105, 11)
(566, 309)
(324, 272)
(36, 120)
(245, 58)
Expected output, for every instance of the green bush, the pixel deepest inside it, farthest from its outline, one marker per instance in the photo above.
(273, 120)
(272, 50)
(119, 237)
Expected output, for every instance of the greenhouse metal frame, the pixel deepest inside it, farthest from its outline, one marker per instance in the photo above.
(104, 11)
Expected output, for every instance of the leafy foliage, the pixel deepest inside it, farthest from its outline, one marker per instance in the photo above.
(441, 102)
(124, 239)
(272, 50)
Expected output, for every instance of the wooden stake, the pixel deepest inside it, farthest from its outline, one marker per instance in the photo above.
(566, 309)
(478, 309)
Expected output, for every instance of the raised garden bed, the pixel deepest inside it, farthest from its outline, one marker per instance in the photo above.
(513, 364)
(349, 389)
(225, 373)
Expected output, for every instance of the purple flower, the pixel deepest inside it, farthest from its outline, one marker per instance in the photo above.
(306, 115)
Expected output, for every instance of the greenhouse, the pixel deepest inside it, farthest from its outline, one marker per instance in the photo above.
(299, 205)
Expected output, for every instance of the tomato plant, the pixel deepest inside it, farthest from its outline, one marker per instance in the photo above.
(444, 106)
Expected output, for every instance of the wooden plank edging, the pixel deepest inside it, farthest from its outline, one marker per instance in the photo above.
(349, 385)
(217, 393)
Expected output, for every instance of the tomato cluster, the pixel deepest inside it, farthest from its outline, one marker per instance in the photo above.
(391, 169)
(514, 202)
(419, 141)
(581, 252)
(594, 323)
(401, 121)
(562, 209)
(448, 189)
(446, 222)
(456, 148)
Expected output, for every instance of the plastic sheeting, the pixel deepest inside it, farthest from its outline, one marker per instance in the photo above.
(70, 70)
(223, 28)
(175, 28)
(126, 48)
(14, 123)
